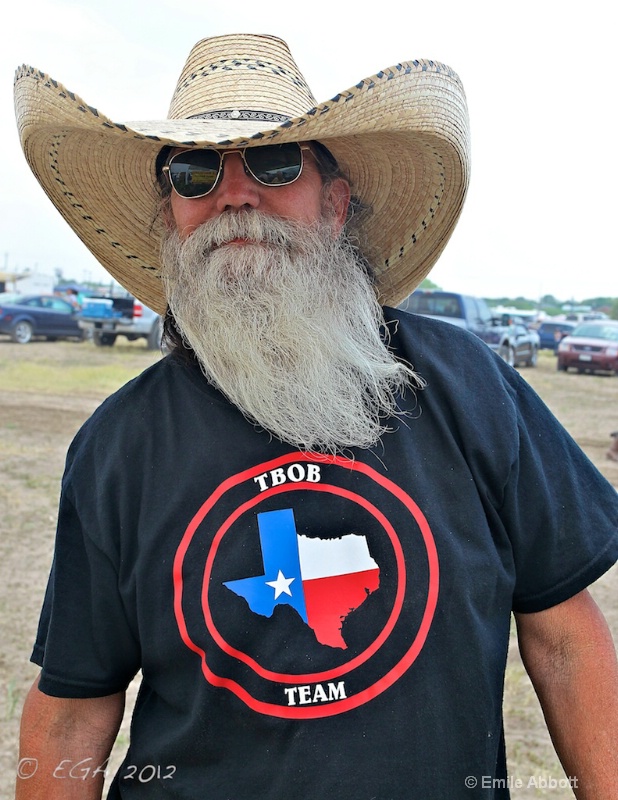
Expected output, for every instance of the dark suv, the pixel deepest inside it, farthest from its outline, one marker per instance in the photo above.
(551, 333)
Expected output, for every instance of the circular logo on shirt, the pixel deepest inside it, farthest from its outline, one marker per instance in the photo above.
(306, 585)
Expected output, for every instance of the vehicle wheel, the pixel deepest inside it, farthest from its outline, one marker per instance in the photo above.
(104, 339)
(534, 357)
(508, 354)
(561, 367)
(22, 332)
(153, 340)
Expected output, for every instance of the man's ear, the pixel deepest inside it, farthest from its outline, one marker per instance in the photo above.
(339, 199)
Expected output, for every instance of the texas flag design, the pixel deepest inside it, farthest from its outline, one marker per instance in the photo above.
(324, 580)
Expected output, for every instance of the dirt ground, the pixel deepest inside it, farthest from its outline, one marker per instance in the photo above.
(36, 427)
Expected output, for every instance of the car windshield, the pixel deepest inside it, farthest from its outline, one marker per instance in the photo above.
(440, 305)
(597, 331)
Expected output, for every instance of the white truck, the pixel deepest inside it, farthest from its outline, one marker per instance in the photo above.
(106, 318)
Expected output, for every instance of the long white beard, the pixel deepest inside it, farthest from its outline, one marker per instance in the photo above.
(287, 327)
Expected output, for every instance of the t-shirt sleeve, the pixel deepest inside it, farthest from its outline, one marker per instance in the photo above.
(561, 514)
(86, 644)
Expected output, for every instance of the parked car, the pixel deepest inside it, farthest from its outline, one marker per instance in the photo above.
(510, 338)
(39, 315)
(106, 318)
(551, 333)
(519, 345)
(591, 347)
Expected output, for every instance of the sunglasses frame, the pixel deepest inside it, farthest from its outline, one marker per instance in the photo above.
(222, 153)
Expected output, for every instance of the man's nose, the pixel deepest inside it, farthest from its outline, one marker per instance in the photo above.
(236, 188)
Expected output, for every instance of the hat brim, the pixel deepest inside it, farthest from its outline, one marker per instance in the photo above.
(401, 136)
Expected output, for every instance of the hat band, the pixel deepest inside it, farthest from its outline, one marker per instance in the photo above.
(237, 113)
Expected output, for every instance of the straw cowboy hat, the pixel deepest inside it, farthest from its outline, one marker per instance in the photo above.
(401, 136)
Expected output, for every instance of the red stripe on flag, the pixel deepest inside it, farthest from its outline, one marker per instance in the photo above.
(329, 601)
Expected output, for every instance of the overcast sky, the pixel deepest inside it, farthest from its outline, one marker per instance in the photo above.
(540, 79)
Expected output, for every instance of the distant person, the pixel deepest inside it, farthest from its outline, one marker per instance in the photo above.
(308, 525)
(74, 298)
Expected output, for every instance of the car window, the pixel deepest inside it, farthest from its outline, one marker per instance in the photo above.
(31, 302)
(482, 311)
(472, 312)
(556, 326)
(55, 304)
(597, 331)
(440, 304)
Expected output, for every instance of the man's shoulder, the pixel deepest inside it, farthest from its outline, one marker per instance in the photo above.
(140, 388)
(135, 405)
(457, 366)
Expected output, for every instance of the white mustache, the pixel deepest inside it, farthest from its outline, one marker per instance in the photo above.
(251, 226)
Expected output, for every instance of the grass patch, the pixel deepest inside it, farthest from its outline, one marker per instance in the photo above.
(78, 377)
(48, 379)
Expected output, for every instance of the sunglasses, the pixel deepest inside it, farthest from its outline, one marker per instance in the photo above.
(195, 173)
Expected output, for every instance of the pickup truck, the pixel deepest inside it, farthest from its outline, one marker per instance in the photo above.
(106, 318)
(508, 337)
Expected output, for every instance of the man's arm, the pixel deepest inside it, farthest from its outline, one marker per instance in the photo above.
(64, 745)
(570, 657)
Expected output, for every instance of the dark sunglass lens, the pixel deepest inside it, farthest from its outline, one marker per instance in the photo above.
(195, 172)
(275, 164)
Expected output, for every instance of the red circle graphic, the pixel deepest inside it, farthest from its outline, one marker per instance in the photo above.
(390, 677)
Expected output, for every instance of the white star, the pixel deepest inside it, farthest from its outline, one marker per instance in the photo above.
(281, 585)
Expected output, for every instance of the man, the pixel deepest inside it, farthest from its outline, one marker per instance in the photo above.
(308, 525)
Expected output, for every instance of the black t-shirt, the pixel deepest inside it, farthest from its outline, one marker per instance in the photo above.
(313, 626)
